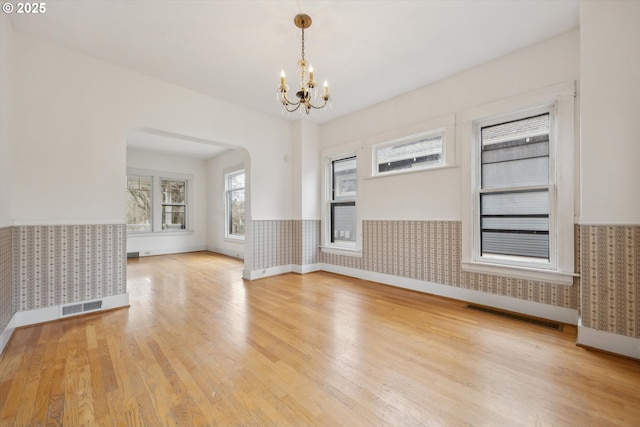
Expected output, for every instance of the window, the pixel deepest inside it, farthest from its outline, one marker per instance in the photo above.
(414, 152)
(174, 204)
(234, 183)
(158, 202)
(139, 208)
(343, 200)
(520, 181)
(514, 188)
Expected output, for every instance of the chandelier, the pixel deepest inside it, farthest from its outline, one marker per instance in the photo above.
(308, 87)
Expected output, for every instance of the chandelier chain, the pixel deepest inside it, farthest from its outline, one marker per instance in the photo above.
(303, 43)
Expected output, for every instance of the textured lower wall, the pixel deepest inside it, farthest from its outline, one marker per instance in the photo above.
(610, 276)
(422, 250)
(55, 265)
(6, 277)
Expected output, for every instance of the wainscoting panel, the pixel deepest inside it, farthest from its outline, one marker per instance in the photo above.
(273, 243)
(610, 272)
(6, 277)
(60, 264)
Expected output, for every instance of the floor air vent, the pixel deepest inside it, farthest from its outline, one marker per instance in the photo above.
(70, 310)
(133, 255)
(539, 322)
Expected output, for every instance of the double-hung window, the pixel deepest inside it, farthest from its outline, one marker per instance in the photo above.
(158, 202)
(341, 222)
(519, 221)
(342, 206)
(514, 189)
(174, 204)
(235, 204)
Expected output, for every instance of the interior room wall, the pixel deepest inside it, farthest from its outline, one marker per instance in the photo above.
(80, 141)
(436, 194)
(216, 167)
(163, 165)
(609, 221)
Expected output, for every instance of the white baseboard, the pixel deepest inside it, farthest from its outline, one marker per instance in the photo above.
(6, 334)
(607, 341)
(536, 309)
(169, 251)
(266, 272)
(227, 252)
(47, 314)
(308, 268)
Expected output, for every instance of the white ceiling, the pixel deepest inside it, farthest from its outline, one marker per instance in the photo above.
(369, 51)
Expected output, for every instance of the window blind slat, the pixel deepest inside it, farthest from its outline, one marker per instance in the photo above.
(529, 245)
(515, 223)
(515, 203)
(533, 171)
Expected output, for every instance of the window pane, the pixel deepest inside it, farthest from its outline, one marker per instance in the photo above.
(235, 209)
(236, 215)
(515, 223)
(343, 222)
(139, 203)
(235, 180)
(515, 203)
(516, 153)
(344, 178)
(173, 191)
(173, 217)
(410, 155)
(528, 245)
(517, 129)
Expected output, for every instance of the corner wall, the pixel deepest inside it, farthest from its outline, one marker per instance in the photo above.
(610, 203)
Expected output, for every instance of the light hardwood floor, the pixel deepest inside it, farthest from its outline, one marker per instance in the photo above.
(200, 346)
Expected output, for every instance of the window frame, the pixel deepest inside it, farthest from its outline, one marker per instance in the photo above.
(227, 203)
(446, 125)
(184, 205)
(375, 149)
(328, 245)
(560, 268)
(550, 187)
(156, 201)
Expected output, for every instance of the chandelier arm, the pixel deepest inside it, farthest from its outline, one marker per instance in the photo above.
(288, 101)
(320, 106)
(295, 109)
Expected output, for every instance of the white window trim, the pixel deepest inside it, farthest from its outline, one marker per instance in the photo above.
(225, 174)
(327, 156)
(156, 200)
(560, 268)
(444, 124)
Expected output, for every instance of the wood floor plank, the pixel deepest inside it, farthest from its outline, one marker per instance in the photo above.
(199, 346)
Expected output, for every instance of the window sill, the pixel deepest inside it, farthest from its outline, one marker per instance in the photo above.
(527, 273)
(334, 250)
(234, 239)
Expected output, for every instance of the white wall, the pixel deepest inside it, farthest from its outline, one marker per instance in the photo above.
(6, 101)
(216, 226)
(436, 194)
(610, 122)
(306, 170)
(164, 165)
(70, 166)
